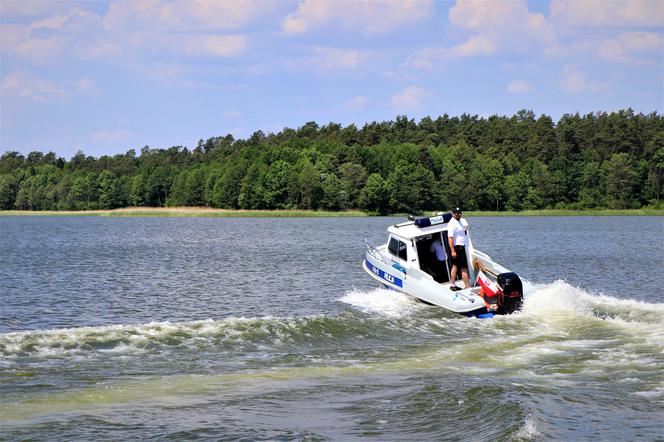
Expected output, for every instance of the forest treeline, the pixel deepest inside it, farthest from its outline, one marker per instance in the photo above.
(599, 160)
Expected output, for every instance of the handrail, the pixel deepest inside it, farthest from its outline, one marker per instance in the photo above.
(374, 252)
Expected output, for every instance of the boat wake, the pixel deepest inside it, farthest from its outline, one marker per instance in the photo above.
(560, 299)
(555, 309)
(540, 300)
(383, 302)
(240, 336)
(563, 334)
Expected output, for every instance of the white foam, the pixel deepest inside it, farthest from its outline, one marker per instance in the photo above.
(655, 393)
(528, 430)
(554, 299)
(123, 349)
(116, 339)
(562, 300)
(383, 301)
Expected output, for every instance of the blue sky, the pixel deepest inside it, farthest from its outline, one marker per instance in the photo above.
(108, 76)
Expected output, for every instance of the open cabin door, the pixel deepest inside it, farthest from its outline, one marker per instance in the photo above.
(429, 262)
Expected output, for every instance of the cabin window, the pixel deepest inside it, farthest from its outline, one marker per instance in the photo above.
(398, 248)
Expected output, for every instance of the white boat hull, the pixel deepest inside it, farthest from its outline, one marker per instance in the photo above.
(422, 286)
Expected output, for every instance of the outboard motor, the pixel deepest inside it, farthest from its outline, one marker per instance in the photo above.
(511, 292)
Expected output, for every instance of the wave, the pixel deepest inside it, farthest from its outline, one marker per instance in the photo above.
(560, 300)
(550, 310)
(553, 311)
(384, 302)
(552, 299)
(243, 334)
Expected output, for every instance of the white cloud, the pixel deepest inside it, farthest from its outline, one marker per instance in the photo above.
(426, 58)
(170, 72)
(619, 13)
(627, 46)
(98, 50)
(17, 41)
(573, 80)
(518, 86)
(333, 59)
(27, 86)
(508, 27)
(503, 26)
(76, 19)
(214, 45)
(477, 45)
(87, 86)
(410, 99)
(358, 102)
(46, 40)
(33, 8)
(135, 28)
(495, 27)
(365, 16)
(186, 15)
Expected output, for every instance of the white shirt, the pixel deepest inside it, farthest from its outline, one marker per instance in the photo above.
(457, 230)
(437, 246)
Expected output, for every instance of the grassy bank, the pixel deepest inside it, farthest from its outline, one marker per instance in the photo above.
(186, 212)
(224, 213)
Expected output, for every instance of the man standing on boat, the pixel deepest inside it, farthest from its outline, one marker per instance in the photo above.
(456, 235)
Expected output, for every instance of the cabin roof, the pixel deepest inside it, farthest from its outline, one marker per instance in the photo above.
(409, 230)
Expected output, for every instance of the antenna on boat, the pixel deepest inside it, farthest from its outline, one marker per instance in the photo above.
(411, 220)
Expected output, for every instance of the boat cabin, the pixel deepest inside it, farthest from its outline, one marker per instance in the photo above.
(411, 245)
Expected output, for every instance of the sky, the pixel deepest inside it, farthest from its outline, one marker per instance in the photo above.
(104, 77)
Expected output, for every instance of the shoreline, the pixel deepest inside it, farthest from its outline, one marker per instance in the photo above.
(228, 213)
(184, 212)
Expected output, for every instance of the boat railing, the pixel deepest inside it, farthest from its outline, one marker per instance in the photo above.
(484, 262)
(374, 252)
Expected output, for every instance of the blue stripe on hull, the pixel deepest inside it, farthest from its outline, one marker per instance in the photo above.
(384, 275)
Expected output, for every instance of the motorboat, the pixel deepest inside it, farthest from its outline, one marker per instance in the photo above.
(408, 263)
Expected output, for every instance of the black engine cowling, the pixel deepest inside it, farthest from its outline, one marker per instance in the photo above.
(511, 296)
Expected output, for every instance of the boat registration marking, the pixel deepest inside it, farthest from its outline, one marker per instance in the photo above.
(386, 276)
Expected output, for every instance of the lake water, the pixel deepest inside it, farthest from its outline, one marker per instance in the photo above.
(269, 329)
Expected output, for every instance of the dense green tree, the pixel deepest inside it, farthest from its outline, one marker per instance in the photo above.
(375, 195)
(226, 190)
(178, 193)
(84, 192)
(308, 189)
(353, 176)
(252, 188)
(156, 186)
(11, 161)
(620, 181)
(8, 190)
(412, 188)
(276, 185)
(516, 189)
(514, 162)
(487, 178)
(137, 190)
(195, 188)
(109, 192)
